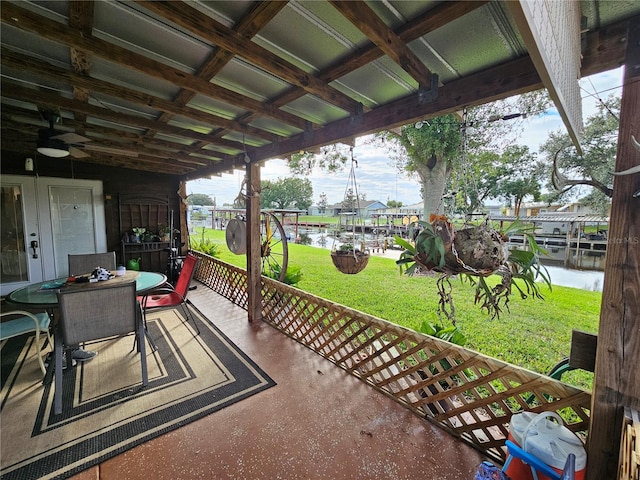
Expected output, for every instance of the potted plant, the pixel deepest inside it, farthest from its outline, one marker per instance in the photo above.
(164, 232)
(475, 253)
(349, 259)
(137, 234)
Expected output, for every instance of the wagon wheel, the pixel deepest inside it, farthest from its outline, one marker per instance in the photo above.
(273, 247)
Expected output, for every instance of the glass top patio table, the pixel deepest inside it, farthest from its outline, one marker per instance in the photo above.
(45, 294)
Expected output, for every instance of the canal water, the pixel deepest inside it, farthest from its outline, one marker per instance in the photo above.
(584, 278)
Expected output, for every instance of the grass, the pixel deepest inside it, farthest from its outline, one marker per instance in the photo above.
(534, 334)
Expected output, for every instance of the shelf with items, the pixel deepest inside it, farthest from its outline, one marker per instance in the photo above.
(152, 255)
(144, 216)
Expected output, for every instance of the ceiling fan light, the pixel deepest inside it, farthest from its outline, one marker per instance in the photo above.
(53, 152)
(53, 148)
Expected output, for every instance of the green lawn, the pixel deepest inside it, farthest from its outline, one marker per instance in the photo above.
(534, 334)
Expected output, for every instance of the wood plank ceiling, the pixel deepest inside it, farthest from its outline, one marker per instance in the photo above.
(195, 88)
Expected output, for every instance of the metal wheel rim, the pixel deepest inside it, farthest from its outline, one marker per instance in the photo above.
(274, 251)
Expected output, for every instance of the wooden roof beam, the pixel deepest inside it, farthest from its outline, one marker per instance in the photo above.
(430, 21)
(81, 18)
(55, 31)
(12, 120)
(47, 71)
(605, 51)
(13, 136)
(191, 19)
(258, 15)
(365, 19)
(13, 90)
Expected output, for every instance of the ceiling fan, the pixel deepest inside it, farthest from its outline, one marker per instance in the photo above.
(52, 143)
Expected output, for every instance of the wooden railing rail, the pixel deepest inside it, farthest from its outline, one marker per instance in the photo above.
(469, 394)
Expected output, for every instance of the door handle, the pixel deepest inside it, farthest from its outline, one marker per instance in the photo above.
(34, 247)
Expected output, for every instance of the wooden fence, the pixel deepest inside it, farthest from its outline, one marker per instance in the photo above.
(468, 394)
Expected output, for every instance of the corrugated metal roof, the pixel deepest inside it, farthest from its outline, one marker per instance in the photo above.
(191, 88)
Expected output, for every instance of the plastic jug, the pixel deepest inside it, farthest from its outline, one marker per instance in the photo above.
(134, 264)
(549, 441)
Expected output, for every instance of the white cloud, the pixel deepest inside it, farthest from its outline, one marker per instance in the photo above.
(376, 176)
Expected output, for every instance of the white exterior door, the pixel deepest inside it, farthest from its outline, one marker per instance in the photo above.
(43, 220)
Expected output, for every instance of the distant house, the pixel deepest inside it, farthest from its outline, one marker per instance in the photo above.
(366, 209)
(540, 208)
(410, 212)
(493, 210)
(369, 207)
(315, 210)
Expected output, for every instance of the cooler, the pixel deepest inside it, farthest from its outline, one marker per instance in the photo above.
(549, 441)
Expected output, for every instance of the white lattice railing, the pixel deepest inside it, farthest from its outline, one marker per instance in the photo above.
(469, 394)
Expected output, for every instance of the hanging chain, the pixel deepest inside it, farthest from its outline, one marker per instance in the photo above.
(468, 179)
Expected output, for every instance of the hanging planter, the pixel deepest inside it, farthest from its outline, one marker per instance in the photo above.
(349, 260)
(475, 253)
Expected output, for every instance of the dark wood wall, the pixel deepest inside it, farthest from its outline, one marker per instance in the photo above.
(117, 182)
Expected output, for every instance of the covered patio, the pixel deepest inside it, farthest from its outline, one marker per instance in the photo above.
(150, 95)
(355, 396)
(318, 422)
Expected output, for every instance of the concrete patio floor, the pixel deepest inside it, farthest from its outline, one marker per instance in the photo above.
(318, 422)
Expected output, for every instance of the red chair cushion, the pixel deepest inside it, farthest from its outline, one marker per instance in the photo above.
(161, 300)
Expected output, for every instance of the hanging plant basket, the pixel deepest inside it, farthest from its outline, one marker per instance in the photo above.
(475, 253)
(478, 250)
(350, 262)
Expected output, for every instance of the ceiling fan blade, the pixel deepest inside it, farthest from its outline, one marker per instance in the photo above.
(71, 137)
(77, 153)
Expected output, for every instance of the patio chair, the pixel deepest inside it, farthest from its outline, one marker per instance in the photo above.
(26, 323)
(170, 296)
(84, 263)
(94, 314)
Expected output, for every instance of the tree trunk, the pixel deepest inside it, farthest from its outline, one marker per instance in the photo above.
(433, 182)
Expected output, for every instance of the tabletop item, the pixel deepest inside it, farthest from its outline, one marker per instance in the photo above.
(102, 274)
(134, 264)
(52, 285)
(120, 271)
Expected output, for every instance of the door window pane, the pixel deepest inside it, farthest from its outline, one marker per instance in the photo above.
(14, 257)
(72, 224)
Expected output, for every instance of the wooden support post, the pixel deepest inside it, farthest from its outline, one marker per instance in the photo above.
(181, 219)
(616, 383)
(254, 266)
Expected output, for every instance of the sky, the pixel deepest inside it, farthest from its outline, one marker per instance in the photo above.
(375, 174)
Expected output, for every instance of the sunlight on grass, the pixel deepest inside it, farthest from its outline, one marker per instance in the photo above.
(534, 334)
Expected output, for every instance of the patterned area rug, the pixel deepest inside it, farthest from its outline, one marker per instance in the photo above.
(105, 409)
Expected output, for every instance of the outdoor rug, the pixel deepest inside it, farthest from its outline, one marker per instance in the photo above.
(105, 409)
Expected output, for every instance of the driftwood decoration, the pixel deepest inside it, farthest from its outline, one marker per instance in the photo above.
(631, 170)
(562, 183)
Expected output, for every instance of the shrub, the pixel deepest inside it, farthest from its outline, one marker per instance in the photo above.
(293, 275)
(205, 245)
